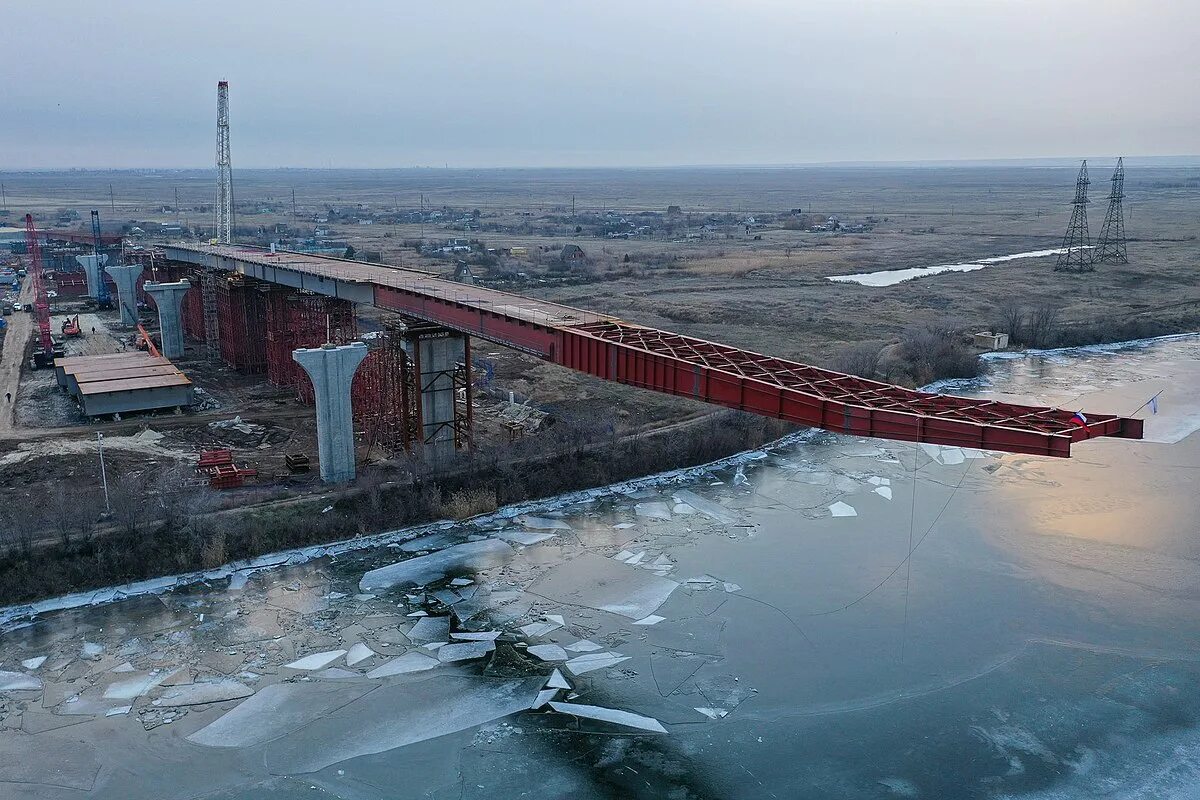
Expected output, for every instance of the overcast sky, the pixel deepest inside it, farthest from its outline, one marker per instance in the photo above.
(394, 83)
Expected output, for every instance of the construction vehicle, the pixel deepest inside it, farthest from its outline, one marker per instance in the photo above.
(70, 327)
(103, 298)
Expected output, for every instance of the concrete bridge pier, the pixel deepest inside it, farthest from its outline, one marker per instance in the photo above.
(438, 354)
(126, 279)
(169, 299)
(91, 269)
(331, 369)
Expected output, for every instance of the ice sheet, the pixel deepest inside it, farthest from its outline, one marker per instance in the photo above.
(525, 537)
(409, 662)
(136, 686)
(615, 716)
(557, 681)
(840, 509)
(358, 652)
(413, 710)
(316, 660)
(593, 661)
(544, 523)
(547, 652)
(430, 629)
(584, 646)
(458, 559)
(603, 584)
(205, 692)
(716, 511)
(18, 682)
(465, 651)
(276, 710)
(33, 663)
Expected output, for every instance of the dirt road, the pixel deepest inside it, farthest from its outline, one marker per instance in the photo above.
(20, 327)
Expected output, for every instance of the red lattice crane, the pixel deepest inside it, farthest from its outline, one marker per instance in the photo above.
(41, 301)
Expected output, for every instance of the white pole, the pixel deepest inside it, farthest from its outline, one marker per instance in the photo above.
(103, 474)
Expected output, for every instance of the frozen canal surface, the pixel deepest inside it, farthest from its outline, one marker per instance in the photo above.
(756, 630)
(890, 277)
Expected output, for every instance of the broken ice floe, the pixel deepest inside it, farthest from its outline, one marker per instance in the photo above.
(525, 537)
(543, 523)
(584, 646)
(18, 682)
(358, 652)
(465, 651)
(430, 629)
(117, 711)
(91, 650)
(656, 510)
(536, 629)
(653, 619)
(277, 710)
(413, 661)
(884, 491)
(543, 697)
(557, 681)
(476, 636)
(713, 713)
(422, 570)
(615, 716)
(707, 507)
(316, 660)
(547, 652)
(840, 509)
(202, 692)
(603, 584)
(136, 687)
(33, 663)
(413, 710)
(593, 661)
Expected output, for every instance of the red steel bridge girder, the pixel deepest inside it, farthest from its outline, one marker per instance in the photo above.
(661, 361)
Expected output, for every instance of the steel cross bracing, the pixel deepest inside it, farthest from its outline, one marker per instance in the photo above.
(609, 348)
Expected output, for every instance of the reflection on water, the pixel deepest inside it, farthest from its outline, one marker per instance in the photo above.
(839, 618)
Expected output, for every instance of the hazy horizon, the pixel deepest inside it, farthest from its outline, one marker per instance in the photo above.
(534, 84)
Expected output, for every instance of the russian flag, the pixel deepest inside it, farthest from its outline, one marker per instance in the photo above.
(1082, 420)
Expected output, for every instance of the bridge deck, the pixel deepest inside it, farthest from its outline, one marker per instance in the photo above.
(608, 348)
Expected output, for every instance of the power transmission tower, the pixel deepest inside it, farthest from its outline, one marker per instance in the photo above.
(1111, 249)
(1076, 253)
(224, 208)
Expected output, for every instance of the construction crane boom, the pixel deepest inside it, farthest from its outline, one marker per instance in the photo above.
(41, 302)
(102, 298)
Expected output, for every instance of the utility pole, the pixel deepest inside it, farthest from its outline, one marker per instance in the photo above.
(112, 202)
(3, 197)
(103, 474)
(176, 205)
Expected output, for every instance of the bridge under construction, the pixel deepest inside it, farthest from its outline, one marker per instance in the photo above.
(446, 314)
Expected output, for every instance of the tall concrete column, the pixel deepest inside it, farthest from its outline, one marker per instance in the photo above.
(439, 352)
(169, 299)
(331, 369)
(91, 270)
(126, 279)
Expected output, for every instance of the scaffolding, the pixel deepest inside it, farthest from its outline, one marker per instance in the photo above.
(242, 321)
(193, 310)
(208, 300)
(383, 395)
(296, 319)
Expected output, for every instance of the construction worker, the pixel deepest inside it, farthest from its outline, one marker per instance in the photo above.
(8, 397)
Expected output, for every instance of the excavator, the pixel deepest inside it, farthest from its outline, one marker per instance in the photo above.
(70, 327)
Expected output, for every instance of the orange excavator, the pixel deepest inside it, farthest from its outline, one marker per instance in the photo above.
(70, 327)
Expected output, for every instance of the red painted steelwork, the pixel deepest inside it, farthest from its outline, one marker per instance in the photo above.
(666, 362)
(727, 376)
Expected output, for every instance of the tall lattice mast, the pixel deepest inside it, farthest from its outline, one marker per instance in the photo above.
(1076, 255)
(1111, 249)
(224, 206)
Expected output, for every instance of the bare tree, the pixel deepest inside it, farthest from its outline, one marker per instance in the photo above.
(860, 359)
(1042, 329)
(1011, 319)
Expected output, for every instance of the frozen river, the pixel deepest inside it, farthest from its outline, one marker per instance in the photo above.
(755, 629)
(890, 277)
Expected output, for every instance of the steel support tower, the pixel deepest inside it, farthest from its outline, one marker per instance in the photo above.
(1111, 249)
(1076, 255)
(224, 206)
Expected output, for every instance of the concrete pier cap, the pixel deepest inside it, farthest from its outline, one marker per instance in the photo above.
(91, 270)
(169, 299)
(126, 279)
(331, 369)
